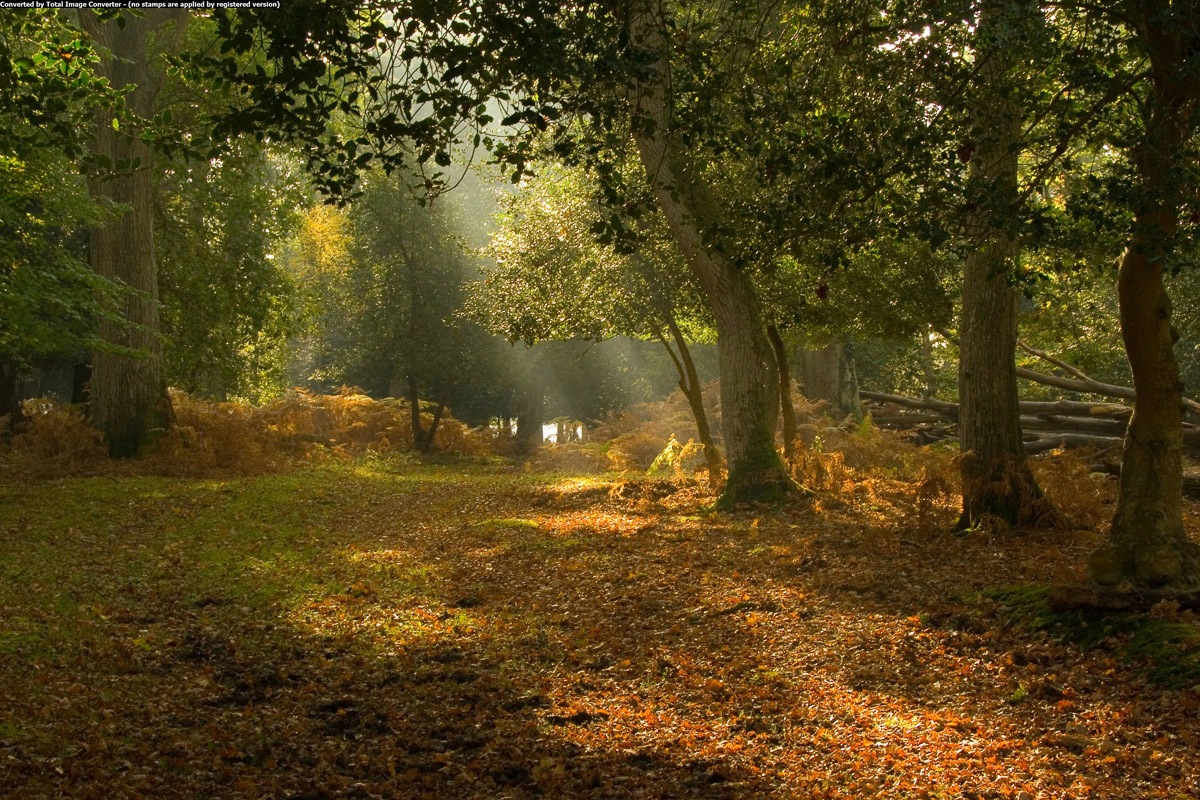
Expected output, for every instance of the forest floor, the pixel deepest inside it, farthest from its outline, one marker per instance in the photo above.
(387, 629)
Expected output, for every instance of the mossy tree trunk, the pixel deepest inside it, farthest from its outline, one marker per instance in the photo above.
(749, 396)
(128, 399)
(1147, 545)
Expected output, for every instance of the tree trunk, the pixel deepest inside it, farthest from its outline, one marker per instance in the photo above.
(787, 409)
(689, 384)
(1147, 545)
(10, 397)
(414, 414)
(129, 401)
(828, 374)
(435, 422)
(530, 417)
(996, 478)
(749, 399)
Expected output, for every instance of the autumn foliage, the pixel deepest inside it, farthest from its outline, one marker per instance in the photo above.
(234, 437)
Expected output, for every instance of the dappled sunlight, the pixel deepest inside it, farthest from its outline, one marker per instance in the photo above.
(478, 633)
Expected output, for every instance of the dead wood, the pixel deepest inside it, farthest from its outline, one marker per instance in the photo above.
(1051, 424)
(1046, 443)
(1076, 408)
(906, 420)
(1062, 424)
(941, 407)
(1079, 382)
(1069, 597)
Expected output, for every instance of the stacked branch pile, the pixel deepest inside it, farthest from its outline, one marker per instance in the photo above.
(1047, 425)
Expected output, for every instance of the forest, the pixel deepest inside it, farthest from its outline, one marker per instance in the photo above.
(609, 399)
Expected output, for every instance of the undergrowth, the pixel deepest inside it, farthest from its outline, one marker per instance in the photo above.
(231, 438)
(843, 466)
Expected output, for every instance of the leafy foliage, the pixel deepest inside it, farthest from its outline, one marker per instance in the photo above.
(554, 279)
(384, 279)
(48, 93)
(228, 304)
(48, 89)
(47, 291)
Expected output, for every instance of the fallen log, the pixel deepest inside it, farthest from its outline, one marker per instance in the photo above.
(1095, 598)
(1100, 427)
(1076, 408)
(1051, 424)
(1073, 408)
(906, 420)
(1080, 382)
(1046, 443)
(1089, 386)
(919, 403)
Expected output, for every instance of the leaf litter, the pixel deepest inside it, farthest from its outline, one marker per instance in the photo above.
(383, 629)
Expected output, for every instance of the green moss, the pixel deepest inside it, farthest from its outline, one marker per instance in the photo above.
(1019, 695)
(1025, 605)
(1170, 648)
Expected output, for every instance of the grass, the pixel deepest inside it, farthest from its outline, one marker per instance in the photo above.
(86, 551)
(390, 628)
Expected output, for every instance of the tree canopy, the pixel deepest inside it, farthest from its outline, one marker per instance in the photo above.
(680, 169)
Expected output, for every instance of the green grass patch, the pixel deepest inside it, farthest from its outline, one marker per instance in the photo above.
(83, 555)
(100, 569)
(1170, 647)
(510, 523)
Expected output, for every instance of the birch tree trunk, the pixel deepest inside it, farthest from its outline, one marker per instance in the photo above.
(996, 478)
(1147, 544)
(749, 396)
(129, 401)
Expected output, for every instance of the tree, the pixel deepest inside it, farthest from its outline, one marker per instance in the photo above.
(418, 267)
(444, 83)
(221, 220)
(553, 280)
(129, 402)
(1147, 545)
(228, 305)
(996, 478)
(48, 93)
(46, 290)
(386, 276)
(749, 378)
